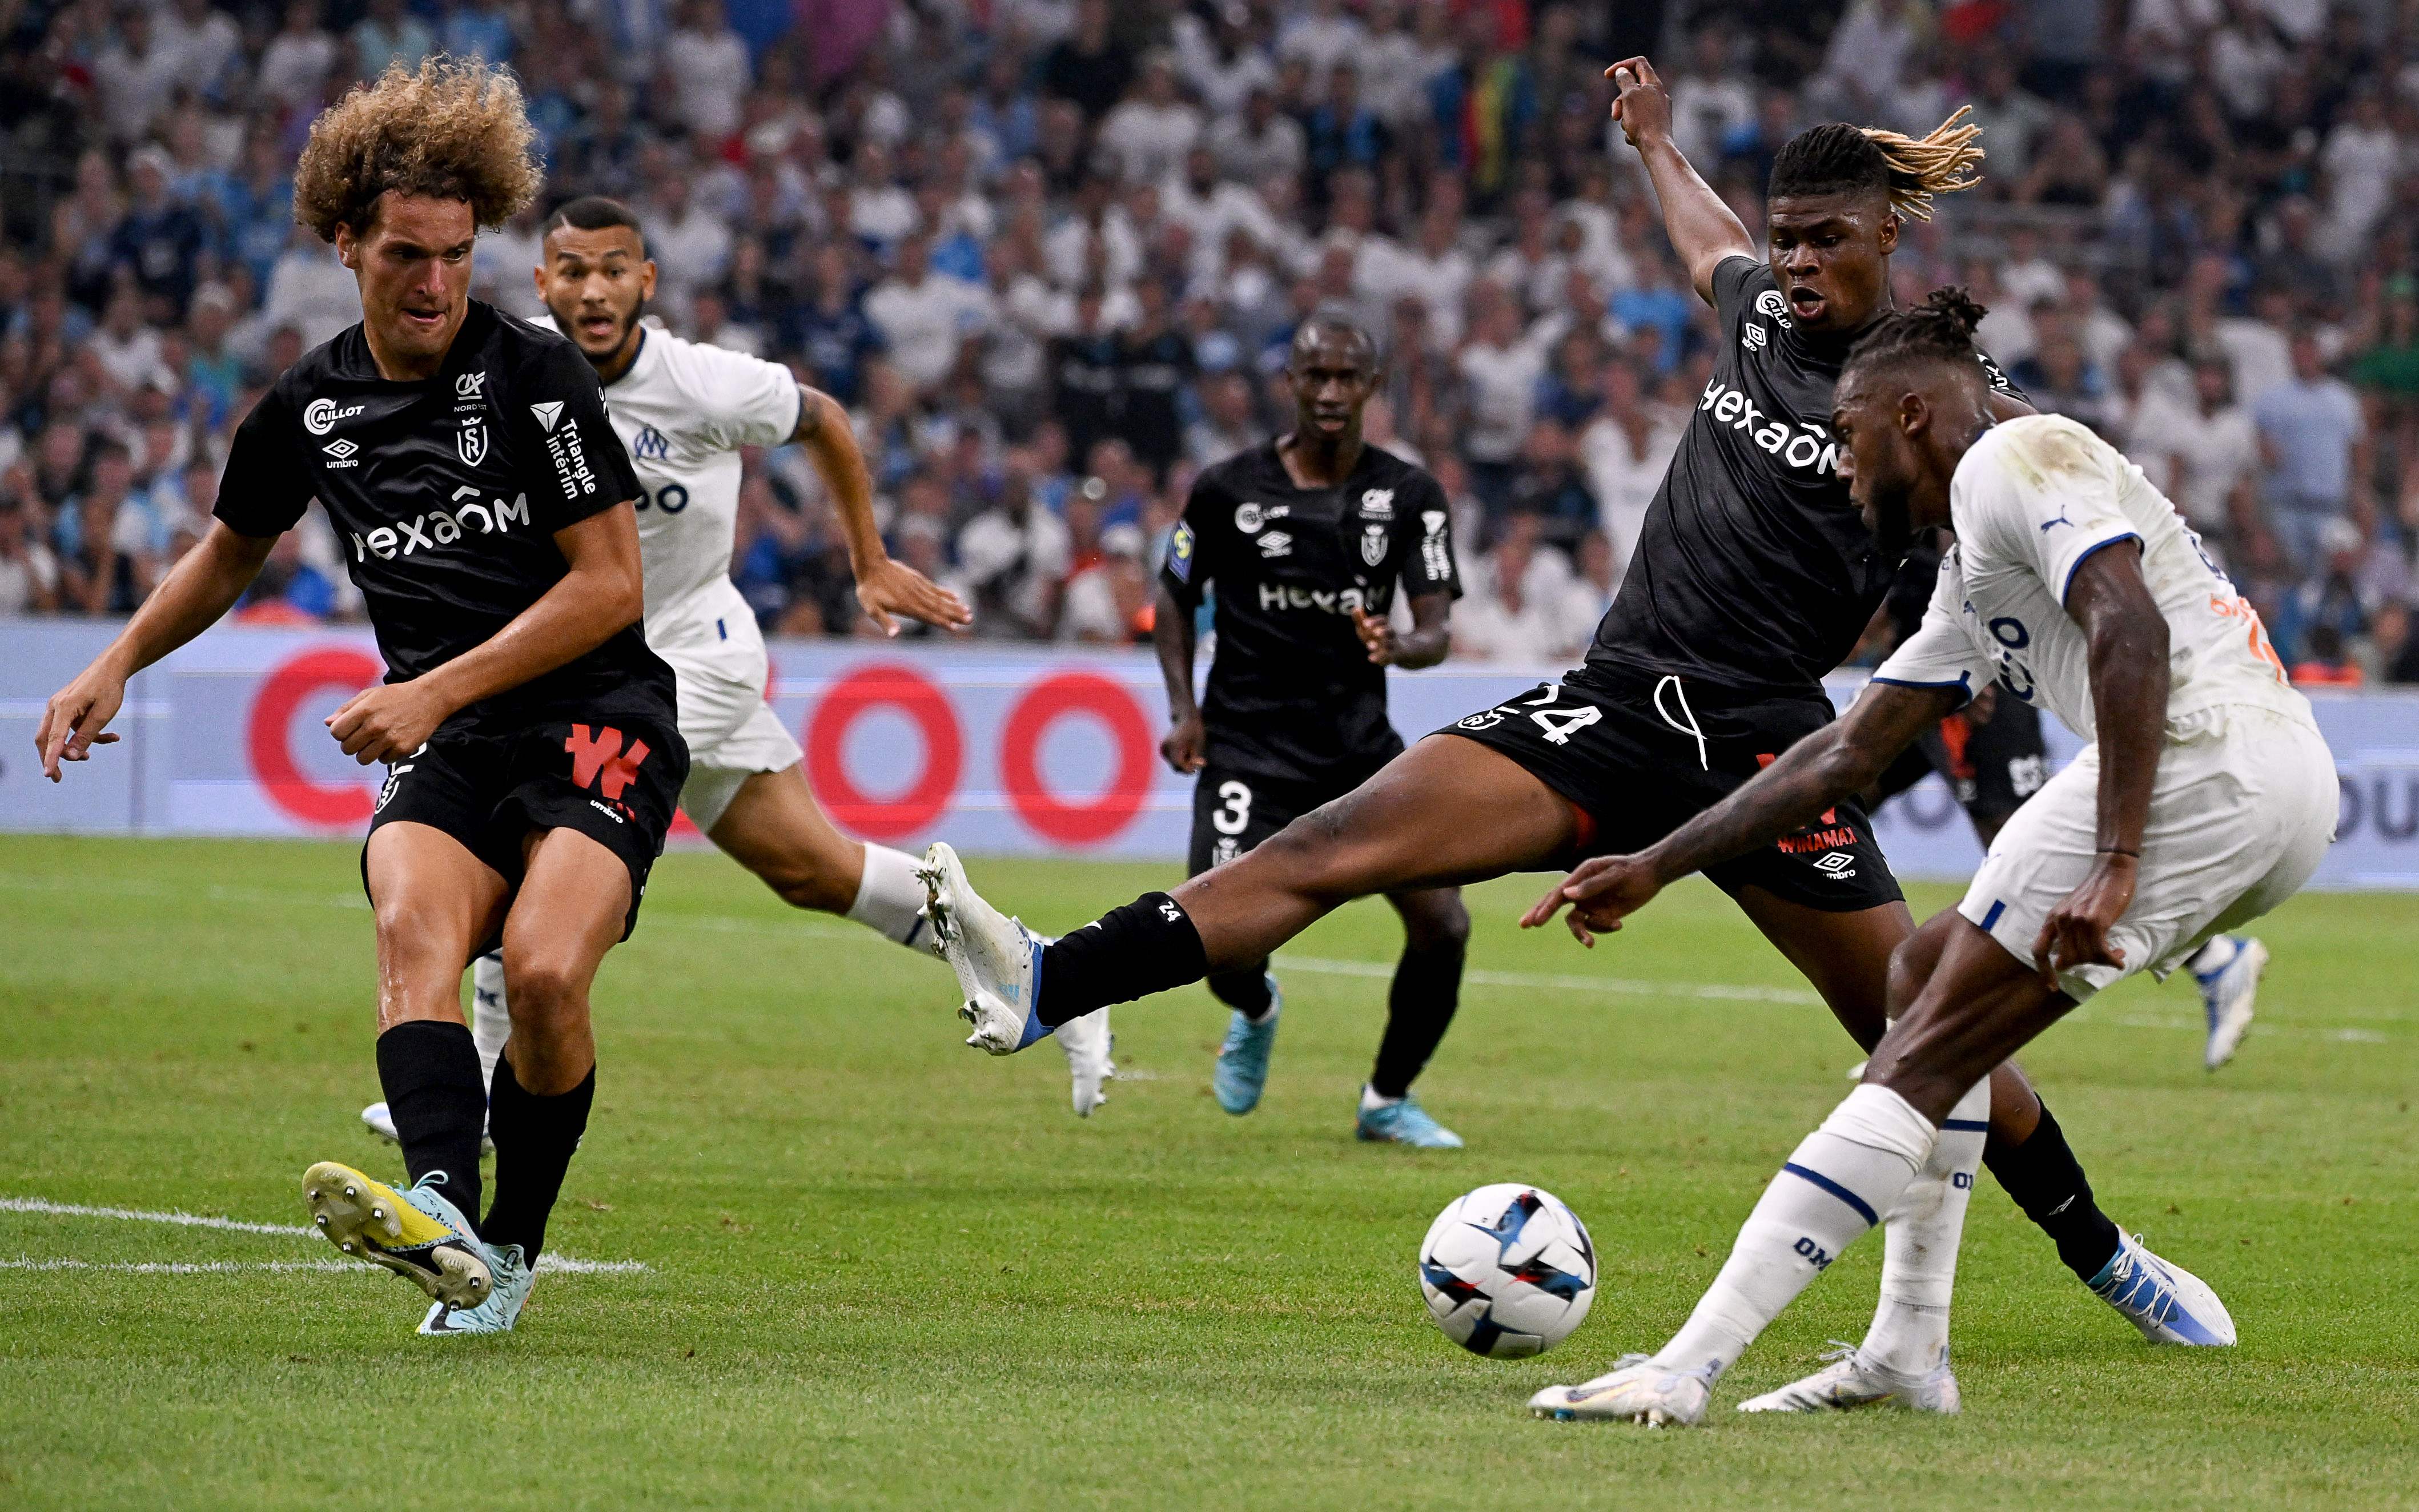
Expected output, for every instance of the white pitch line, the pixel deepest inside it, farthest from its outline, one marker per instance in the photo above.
(1710, 991)
(547, 1264)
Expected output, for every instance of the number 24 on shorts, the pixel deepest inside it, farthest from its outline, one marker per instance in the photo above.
(1559, 724)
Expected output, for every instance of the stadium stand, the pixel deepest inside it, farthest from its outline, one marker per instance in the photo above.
(1050, 252)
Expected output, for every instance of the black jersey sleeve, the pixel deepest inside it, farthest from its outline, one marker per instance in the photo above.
(1737, 280)
(268, 481)
(577, 467)
(1187, 570)
(2000, 382)
(1429, 567)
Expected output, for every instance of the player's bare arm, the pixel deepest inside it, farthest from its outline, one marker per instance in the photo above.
(1427, 643)
(600, 594)
(202, 586)
(2128, 636)
(1829, 766)
(884, 585)
(1702, 229)
(1185, 746)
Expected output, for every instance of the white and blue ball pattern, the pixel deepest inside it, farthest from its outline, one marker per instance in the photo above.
(1508, 1271)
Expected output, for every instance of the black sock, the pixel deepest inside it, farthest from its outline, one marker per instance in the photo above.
(534, 1137)
(1245, 990)
(1419, 1008)
(2044, 1178)
(1146, 947)
(430, 1072)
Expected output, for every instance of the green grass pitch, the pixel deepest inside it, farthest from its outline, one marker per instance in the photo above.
(883, 1270)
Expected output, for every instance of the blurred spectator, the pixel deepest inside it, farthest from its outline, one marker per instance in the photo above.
(1067, 240)
(1109, 602)
(2316, 443)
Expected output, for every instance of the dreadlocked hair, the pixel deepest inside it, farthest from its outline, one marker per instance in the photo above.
(1836, 158)
(1940, 329)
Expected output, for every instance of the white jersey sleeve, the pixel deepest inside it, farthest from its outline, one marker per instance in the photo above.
(1940, 653)
(744, 400)
(2051, 503)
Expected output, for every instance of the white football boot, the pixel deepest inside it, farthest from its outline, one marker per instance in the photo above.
(1849, 1381)
(1637, 1391)
(380, 1121)
(996, 958)
(1089, 1042)
(2228, 990)
(2168, 1303)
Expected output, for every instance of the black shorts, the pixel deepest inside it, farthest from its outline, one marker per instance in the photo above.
(488, 784)
(1233, 812)
(1991, 755)
(1637, 766)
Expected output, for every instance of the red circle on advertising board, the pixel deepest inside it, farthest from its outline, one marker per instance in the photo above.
(883, 685)
(1020, 758)
(281, 695)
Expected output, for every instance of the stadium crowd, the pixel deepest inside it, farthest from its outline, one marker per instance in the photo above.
(1050, 253)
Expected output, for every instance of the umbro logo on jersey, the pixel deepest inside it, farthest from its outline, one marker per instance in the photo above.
(651, 445)
(320, 415)
(340, 454)
(1754, 336)
(1839, 866)
(548, 414)
(1275, 544)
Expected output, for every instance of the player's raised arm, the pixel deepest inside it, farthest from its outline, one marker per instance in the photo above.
(1702, 229)
(1829, 766)
(201, 587)
(884, 585)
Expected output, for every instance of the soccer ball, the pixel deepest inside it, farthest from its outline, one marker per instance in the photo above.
(1508, 1271)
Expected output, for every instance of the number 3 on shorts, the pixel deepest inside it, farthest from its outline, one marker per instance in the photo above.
(1559, 724)
(1234, 808)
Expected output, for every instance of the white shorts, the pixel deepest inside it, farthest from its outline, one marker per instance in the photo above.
(733, 734)
(2241, 813)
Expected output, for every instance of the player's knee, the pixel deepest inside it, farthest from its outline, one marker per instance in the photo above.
(544, 989)
(412, 924)
(1438, 928)
(801, 884)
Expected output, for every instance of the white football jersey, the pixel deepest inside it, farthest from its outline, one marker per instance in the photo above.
(683, 410)
(2030, 501)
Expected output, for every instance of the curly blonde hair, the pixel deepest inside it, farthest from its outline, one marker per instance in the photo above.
(450, 128)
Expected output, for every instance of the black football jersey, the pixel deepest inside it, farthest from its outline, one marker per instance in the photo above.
(1752, 571)
(446, 495)
(1293, 694)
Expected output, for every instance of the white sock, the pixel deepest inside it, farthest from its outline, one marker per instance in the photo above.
(2215, 956)
(1837, 1182)
(491, 1022)
(890, 900)
(1910, 1331)
(1371, 1101)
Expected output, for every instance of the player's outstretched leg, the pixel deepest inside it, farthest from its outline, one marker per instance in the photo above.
(1419, 1008)
(772, 825)
(1393, 833)
(571, 908)
(2228, 970)
(433, 902)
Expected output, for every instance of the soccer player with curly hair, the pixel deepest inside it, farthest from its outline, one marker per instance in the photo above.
(1752, 577)
(532, 754)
